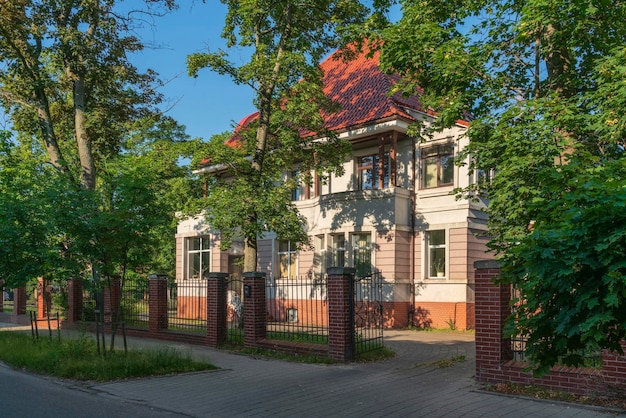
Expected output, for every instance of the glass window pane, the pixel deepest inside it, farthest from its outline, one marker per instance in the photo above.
(205, 243)
(205, 263)
(194, 244)
(365, 172)
(339, 251)
(447, 169)
(429, 172)
(194, 265)
(284, 266)
(362, 254)
(437, 262)
(437, 237)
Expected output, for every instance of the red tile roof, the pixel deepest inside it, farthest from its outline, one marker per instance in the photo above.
(362, 91)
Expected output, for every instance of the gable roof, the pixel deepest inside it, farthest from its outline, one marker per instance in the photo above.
(361, 90)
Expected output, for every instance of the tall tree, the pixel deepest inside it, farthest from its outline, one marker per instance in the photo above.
(536, 78)
(65, 66)
(66, 81)
(286, 41)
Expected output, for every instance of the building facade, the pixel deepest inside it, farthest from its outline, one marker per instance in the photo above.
(392, 211)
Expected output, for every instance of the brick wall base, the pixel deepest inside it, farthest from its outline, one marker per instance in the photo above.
(493, 361)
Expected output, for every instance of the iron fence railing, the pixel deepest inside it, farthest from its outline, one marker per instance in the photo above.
(297, 309)
(135, 303)
(234, 306)
(592, 359)
(187, 306)
(368, 313)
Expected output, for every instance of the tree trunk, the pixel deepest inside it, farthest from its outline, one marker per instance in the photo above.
(250, 255)
(88, 168)
(47, 130)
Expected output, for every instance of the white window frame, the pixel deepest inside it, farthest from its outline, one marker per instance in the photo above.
(436, 153)
(435, 253)
(379, 176)
(338, 252)
(204, 251)
(355, 247)
(292, 257)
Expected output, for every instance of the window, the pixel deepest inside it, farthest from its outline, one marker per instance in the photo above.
(436, 253)
(287, 260)
(317, 186)
(438, 166)
(372, 172)
(198, 256)
(319, 257)
(362, 254)
(338, 257)
(298, 192)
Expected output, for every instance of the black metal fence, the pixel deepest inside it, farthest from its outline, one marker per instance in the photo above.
(368, 313)
(234, 304)
(187, 306)
(135, 303)
(592, 359)
(298, 309)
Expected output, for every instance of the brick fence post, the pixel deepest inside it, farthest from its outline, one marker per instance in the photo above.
(157, 303)
(40, 298)
(19, 303)
(112, 297)
(492, 307)
(216, 308)
(74, 300)
(254, 308)
(340, 320)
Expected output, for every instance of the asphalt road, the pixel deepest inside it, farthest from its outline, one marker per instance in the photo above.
(25, 395)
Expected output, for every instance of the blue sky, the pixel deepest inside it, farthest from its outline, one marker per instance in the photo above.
(210, 103)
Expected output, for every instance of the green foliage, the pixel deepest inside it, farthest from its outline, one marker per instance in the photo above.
(248, 192)
(573, 268)
(91, 179)
(541, 83)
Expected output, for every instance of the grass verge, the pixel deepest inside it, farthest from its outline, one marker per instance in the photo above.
(78, 359)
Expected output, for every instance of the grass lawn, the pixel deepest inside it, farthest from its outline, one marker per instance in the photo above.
(78, 359)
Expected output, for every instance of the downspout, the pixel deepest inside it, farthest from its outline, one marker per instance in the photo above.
(412, 238)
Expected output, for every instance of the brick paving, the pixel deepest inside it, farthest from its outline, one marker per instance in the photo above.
(407, 385)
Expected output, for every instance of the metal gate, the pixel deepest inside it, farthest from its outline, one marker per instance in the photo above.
(234, 306)
(367, 313)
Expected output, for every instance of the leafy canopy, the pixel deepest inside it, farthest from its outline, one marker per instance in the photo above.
(541, 82)
(250, 194)
(90, 176)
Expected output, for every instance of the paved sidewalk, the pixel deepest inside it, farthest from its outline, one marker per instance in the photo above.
(407, 385)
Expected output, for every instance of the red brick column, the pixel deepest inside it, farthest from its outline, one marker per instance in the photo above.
(254, 308)
(340, 320)
(216, 308)
(492, 307)
(74, 300)
(42, 312)
(157, 303)
(19, 303)
(112, 296)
